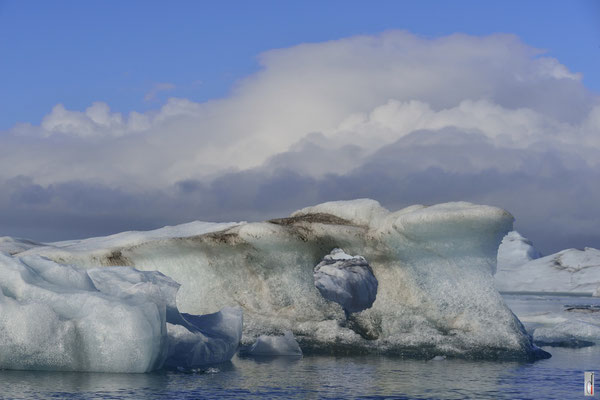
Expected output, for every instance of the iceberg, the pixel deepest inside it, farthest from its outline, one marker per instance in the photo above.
(434, 266)
(117, 319)
(514, 251)
(522, 269)
(560, 321)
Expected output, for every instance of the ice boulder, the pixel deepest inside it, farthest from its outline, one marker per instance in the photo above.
(434, 267)
(271, 346)
(61, 317)
(346, 280)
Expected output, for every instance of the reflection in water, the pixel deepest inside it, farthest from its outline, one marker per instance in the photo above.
(560, 377)
(315, 376)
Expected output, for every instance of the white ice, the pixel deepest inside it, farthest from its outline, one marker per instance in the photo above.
(266, 345)
(347, 280)
(520, 269)
(117, 319)
(204, 339)
(514, 251)
(559, 320)
(12, 245)
(132, 238)
(434, 267)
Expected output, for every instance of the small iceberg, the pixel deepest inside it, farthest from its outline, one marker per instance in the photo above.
(116, 319)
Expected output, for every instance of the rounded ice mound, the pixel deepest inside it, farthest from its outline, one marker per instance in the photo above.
(360, 211)
(285, 345)
(347, 280)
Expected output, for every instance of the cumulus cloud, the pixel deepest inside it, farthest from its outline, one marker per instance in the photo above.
(395, 117)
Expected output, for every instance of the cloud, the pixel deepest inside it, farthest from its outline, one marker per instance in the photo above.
(395, 117)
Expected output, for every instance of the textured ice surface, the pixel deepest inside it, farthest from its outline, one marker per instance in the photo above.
(97, 246)
(285, 345)
(574, 332)
(433, 265)
(204, 339)
(347, 280)
(559, 320)
(520, 269)
(12, 245)
(117, 319)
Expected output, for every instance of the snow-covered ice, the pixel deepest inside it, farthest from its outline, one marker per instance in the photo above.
(433, 265)
(12, 245)
(95, 247)
(265, 345)
(117, 319)
(347, 280)
(521, 269)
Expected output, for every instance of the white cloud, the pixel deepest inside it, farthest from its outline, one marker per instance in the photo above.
(326, 109)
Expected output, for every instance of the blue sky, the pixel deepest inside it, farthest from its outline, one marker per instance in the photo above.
(118, 52)
(137, 114)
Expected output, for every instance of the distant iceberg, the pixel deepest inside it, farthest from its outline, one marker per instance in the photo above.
(434, 267)
(521, 268)
(560, 321)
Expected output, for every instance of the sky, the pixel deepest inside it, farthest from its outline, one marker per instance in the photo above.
(133, 115)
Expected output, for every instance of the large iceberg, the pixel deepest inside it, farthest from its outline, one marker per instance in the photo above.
(522, 269)
(434, 267)
(116, 319)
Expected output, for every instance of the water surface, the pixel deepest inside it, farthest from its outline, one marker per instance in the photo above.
(373, 377)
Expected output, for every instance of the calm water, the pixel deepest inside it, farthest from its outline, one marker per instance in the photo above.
(560, 377)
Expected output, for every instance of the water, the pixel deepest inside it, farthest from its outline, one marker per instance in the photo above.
(373, 377)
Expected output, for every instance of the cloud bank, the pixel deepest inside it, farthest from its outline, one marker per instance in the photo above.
(395, 117)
